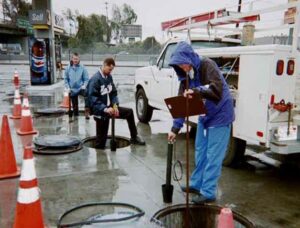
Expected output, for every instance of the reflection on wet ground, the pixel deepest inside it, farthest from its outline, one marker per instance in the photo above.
(269, 197)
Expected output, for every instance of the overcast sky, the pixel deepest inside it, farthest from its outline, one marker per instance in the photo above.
(152, 12)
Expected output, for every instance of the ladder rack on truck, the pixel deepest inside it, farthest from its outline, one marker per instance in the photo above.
(216, 20)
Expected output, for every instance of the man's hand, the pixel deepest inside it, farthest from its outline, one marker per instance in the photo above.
(171, 136)
(188, 93)
(116, 112)
(110, 111)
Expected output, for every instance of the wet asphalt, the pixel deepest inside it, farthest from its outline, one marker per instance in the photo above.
(269, 197)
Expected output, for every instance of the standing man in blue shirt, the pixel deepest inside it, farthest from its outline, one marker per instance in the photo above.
(213, 130)
(76, 80)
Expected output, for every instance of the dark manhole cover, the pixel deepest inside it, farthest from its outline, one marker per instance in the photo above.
(50, 111)
(56, 144)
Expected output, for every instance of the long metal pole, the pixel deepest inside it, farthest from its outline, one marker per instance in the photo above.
(239, 10)
(187, 220)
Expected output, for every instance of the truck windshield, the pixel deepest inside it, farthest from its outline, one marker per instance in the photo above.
(211, 44)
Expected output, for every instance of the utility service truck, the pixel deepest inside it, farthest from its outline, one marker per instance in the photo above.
(263, 79)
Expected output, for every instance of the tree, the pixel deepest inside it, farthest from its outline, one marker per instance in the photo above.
(123, 15)
(23, 9)
(86, 32)
(128, 15)
(91, 29)
(70, 15)
(150, 45)
(12, 9)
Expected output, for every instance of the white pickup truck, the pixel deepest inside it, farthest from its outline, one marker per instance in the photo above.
(262, 81)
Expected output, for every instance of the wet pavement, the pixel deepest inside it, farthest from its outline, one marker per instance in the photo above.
(269, 197)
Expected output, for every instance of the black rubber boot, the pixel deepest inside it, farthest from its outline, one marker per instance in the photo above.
(200, 199)
(137, 141)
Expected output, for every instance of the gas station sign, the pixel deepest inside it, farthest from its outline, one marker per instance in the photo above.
(40, 18)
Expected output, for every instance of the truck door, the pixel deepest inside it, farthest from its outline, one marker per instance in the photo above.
(252, 102)
(164, 76)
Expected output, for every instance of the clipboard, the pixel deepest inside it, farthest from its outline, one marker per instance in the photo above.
(177, 106)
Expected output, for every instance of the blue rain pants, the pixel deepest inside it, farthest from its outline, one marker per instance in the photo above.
(210, 148)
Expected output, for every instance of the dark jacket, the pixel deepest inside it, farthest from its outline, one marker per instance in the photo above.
(99, 89)
(209, 82)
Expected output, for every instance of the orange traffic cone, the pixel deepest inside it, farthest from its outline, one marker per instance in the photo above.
(226, 219)
(26, 140)
(17, 110)
(26, 125)
(66, 101)
(8, 166)
(29, 208)
(16, 79)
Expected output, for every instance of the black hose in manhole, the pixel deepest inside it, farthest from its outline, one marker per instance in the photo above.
(205, 216)
(50, 112)
(101, 213)
(56, 144)
(121, 142)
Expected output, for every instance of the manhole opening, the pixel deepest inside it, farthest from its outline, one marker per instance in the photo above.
(205, 216)
(56, 144)
(50, 112)
(121, 142)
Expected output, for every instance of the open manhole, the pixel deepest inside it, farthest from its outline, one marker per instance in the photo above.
(56, 144)
(50, 112)
(120, 141)
(205, 216)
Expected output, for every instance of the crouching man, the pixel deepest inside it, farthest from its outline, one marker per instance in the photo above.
(104, 103)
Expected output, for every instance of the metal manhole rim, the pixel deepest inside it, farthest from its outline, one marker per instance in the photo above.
(90, 138)
(56, 150)
(179, 207)
(43, 151)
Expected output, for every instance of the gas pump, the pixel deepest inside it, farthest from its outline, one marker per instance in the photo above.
(40, 65)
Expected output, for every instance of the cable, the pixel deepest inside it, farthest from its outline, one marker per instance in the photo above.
(137, 215)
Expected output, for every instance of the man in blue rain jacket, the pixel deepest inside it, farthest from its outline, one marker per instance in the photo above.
(214, 129)
(104, 104)
(76, 80)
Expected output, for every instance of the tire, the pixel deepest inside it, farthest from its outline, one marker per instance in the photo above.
(143, 110)
(235, 152)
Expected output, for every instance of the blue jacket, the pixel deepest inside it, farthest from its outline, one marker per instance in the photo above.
(207, 80)
(76, 78)
(101, 93)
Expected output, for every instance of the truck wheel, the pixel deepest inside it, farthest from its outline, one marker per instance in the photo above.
(143, 110)
(235, 152)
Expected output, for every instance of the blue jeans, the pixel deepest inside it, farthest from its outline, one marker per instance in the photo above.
(210, 148)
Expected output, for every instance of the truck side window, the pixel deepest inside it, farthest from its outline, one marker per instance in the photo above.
(170, 49)
(165, 58)
(161, 61)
